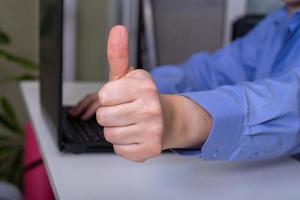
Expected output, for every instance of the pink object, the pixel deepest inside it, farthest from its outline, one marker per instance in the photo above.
(36, 182)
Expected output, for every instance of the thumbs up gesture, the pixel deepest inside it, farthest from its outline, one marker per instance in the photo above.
(130, 108)
(137, 120)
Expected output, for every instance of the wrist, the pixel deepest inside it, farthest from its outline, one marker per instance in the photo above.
(186, 124)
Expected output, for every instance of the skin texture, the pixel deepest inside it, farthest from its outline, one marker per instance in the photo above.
(137, 120)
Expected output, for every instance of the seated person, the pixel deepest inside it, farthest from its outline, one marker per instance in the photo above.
(239, 103)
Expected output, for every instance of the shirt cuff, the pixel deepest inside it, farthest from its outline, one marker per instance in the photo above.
(227, 124)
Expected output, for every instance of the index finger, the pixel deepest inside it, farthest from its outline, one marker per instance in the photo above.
(118, 92)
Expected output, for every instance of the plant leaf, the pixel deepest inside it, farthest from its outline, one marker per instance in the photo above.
(10, 139)
(7, 124)
(9, 114)
(11, 157)
(23, 77)
(4, 38)
(22, 62)
(7, 109)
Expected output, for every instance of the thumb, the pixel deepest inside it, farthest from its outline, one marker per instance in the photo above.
(117, 52)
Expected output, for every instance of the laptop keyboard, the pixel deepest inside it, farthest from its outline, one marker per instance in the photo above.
(87, 130)
(82, 131)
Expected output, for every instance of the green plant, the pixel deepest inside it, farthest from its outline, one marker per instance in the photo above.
(11, 132)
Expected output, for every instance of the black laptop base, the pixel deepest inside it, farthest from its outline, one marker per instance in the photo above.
(86, 148)
(83, 136)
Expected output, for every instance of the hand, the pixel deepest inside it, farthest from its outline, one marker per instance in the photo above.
(130, 107)
(137, 120)
(86, 108)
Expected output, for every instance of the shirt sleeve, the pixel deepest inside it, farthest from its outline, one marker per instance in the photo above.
(203, 71)
(252, 120)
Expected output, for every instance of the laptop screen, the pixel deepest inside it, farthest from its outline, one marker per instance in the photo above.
(51, 59)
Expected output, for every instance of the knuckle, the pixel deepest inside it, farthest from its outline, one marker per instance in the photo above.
(156, 109)
(131, 156)
(149, 92)
(99, 116)
(119, 151)
(140, 74)
(155, 151)
(149, 86)
(108, 135)
(103, 94)
(153, 110)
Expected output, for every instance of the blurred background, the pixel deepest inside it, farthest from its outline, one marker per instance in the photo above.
(86, 27)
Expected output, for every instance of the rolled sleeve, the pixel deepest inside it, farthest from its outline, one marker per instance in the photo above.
(226, 128)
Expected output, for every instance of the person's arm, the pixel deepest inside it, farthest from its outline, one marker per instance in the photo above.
(203, 71)
(137, 120)
(252, 120)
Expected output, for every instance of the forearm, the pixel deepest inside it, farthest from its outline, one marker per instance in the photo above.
(187, 125)
(252, 120)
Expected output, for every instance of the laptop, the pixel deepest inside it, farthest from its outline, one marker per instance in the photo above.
(72, 134)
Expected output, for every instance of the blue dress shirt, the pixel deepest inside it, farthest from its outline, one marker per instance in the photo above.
(251, 88)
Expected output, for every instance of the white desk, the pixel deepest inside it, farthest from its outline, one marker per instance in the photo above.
(106, 176)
